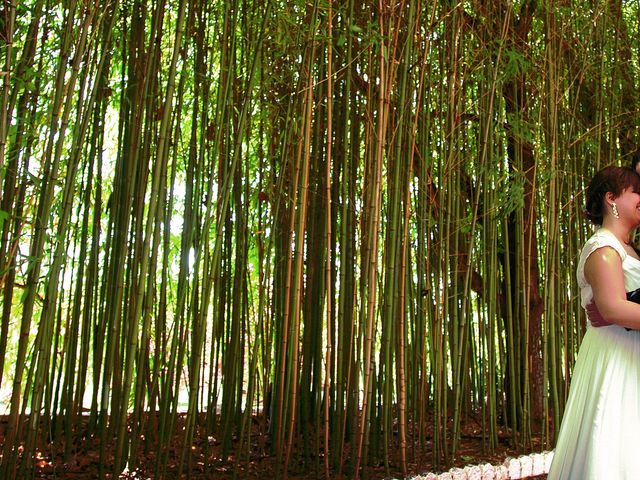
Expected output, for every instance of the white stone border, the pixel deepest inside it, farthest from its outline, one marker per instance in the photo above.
(512, 468)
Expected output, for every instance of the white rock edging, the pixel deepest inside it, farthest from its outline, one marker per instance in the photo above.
(524, 466)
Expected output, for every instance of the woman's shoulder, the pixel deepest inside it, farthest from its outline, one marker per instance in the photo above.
(602, 238)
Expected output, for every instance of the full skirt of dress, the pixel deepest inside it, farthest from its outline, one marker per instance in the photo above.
(600, 433)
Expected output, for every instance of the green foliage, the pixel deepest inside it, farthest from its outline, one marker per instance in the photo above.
(197, 262)
(510, 197)
(516, 63)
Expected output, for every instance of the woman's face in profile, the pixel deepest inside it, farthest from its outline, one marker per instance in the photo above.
(628, 203)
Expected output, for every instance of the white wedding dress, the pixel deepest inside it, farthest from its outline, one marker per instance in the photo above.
(600, 433)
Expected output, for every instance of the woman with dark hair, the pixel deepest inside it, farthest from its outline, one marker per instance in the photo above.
(600, 432)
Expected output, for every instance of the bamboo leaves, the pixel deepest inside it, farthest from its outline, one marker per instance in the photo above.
(331, 232)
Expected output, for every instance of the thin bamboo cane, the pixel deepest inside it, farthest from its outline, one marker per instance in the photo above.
(328, 358)
(373, 249)
(9, 29)
(346, 275)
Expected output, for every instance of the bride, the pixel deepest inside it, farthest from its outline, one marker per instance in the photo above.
(600, 432)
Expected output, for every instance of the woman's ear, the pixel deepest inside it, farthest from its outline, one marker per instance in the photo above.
(610, 198)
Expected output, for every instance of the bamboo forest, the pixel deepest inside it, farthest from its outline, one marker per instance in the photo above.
(336, 237)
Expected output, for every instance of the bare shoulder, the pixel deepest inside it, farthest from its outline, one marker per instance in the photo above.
(602, 261)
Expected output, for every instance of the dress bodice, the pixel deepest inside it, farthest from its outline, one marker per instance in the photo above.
(630, 265)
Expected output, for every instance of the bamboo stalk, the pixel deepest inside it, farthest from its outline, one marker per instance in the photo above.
(329, 240)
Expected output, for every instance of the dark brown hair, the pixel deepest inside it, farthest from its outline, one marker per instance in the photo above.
(609, 179)
(635, 160)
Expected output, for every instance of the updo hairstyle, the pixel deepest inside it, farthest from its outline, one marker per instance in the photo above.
(609, 179)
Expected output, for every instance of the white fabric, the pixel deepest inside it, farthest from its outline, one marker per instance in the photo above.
(603, 238)
(600, 432)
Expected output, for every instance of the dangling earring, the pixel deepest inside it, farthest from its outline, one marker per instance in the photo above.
(614, 207)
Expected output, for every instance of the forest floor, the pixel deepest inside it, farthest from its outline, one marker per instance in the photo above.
(206, 460)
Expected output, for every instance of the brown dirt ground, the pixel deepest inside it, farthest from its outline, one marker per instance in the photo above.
(206, 461)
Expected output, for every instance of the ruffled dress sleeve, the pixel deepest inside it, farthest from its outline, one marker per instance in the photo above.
(602, 238)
